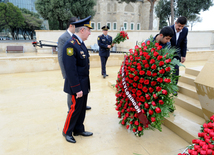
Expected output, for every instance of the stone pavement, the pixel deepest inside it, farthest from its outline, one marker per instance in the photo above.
(33, 110)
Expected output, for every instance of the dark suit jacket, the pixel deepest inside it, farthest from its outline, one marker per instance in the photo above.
(76, 64)
(103, 43)
(181, 43)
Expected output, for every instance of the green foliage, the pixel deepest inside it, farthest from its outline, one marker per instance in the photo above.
(11, 18)
(188, 8)
(58, 11)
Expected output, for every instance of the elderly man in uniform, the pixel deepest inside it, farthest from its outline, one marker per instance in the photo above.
(105, 43)
(77, 83)
(61, 42)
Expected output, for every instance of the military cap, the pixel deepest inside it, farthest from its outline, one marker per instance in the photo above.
(105, 28)
(83, 22)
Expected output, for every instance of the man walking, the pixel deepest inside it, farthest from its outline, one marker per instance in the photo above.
(77, 83)
(61, 42)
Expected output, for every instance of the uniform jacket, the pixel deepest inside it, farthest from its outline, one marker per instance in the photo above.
(103, 42)
(61, 42)
(76, 64)
(181, 43)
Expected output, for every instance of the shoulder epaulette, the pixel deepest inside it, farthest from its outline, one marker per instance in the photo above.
(72, 40)
(78, 42)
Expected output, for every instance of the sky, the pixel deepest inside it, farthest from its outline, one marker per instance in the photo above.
(207, 22)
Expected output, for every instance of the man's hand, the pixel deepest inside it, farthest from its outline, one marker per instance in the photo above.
(79, 94)
(109, 46)
(183, 59)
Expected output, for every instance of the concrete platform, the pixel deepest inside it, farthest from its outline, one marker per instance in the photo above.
(33, 110)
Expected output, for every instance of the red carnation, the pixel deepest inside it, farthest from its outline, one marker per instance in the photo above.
(153, 103)
(146, 82)
(134, 130)
(150, 112)
(145, 62)
(134, 84)
(153, 67)
(159, 47)
(153, 119)
(156, 44)
(162, 71)
(134, 90)
(139, 93)
(136, 78)
(153, 83)
(145, 90)
(146, 65)
(122, 122)
(167, 80)
(168, 69)
(131, 122)
(143, 44)
(127, 126)
(152, 61)
(140, 86)
(164, 92)
(136, 46)
(142, 72)
(139, 67)
(154, 74)
(161, 63)
(160, 79)
(149, 73)
(146, 105)
(155, 54)
(159, 57)
(168, 60)
(157, 110)
(131, 76)
(158, 88)
(145, 48)
(148, 42)
(151, 89)
(148, 97)
(155, 96)
(132, 69)
(136, 123)
(161, 102)
(139, 128)
(141, 80)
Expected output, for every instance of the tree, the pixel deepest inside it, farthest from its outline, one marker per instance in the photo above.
(188, 8)
(31, 23)
(194, 21)
(172, 12)
(62, 11)
(152, 2)
(163, 11)
(11, 18)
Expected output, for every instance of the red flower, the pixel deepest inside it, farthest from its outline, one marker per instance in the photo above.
(139, 93)
(139, 67)
(161, 63)
(150, 112)
(149, 73)
(131, 122)
(155, 96)
(134, 90)
(145, 62)
(134, 130)
(134, 84)
(168, 69)
(154, 74)
(161, 102)
(159, 57)
(139, 128)
(148, 97)
(140, 86)
(146, 82)
(167, 80)
(155, 54)
(160, 79)
(145, 90)
(145, 48)
(136, 78)
(159, 47)
(168, 60)
(136, 47)
(157, 110)
(141, 80)
(131, 76)
(162, 71)
(146, 105)
(153, 83)
(153, 67)
(156, 44)
(136, 123)
(151, 89)
(132, 69)
(152, 61)
(158, 88)
(142, 99)
(127, 126)
(164, 92)
(146, 65)
(148, 42)
(143, 44)
(153, 119)
(142, 72)
(153, 103)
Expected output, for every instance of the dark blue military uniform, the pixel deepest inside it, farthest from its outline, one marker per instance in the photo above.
(104, 51)
(76, 63)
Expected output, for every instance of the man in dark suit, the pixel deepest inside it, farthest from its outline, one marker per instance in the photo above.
(61, 42)
(179, 40)
(77, 83)
(105, 43)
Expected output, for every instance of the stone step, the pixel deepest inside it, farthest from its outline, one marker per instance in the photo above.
(187, 78)
(189, 104)
(184, 123)
(188, 90)
(193, 71)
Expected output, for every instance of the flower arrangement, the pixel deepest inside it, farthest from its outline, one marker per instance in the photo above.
(205, 144)
(145, 82)
(122, 36)
(34, 43)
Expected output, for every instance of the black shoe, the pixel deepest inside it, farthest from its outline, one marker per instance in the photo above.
(88, 107)
(104, 76)
(85, 133)
(69, 138)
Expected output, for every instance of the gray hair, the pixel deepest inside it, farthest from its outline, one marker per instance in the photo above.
(77, 29)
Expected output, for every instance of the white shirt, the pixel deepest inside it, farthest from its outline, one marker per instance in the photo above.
(177, 34)
(69, 32)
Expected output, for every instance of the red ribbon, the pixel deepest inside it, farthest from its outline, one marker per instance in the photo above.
(141, 116)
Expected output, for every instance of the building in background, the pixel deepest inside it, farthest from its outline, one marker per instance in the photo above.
(122, 16)
(27, 4)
